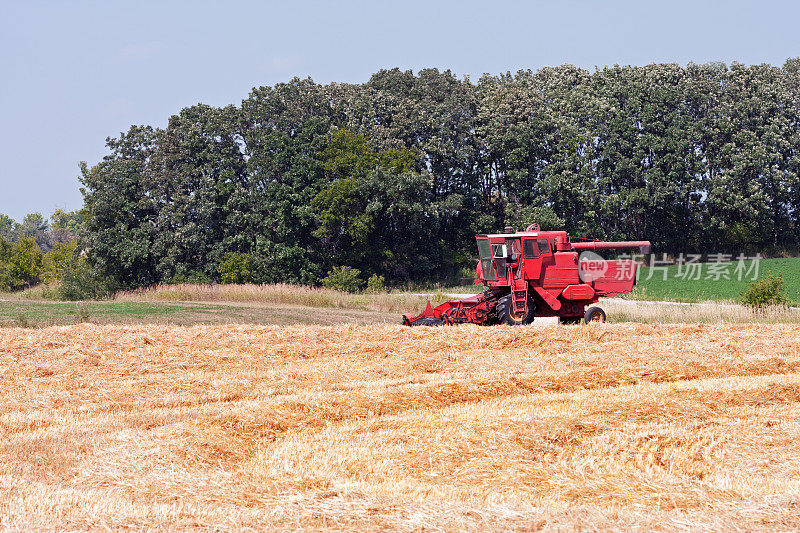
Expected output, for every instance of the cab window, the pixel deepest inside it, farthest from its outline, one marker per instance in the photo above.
(544, 246)
(513, 247)
(533, 248)
(529, 249)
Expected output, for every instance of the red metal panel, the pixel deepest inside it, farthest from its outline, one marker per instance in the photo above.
(578, 292)
(619, 278)
(548, 298)
(563, 272)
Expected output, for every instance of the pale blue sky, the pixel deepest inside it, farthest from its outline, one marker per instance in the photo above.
(76, 72)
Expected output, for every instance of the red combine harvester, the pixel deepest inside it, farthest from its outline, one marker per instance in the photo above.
(537, 273)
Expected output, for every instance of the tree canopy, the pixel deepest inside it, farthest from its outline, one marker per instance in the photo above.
(394, 176)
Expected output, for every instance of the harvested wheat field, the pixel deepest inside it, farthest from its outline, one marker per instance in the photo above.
(232, 427)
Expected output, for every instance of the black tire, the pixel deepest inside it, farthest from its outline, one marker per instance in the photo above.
(504, 312)
(594, 314)
(427, 321)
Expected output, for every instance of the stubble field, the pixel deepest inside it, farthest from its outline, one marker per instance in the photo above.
(612, 426)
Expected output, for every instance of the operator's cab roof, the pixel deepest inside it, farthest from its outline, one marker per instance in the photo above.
(519, 234)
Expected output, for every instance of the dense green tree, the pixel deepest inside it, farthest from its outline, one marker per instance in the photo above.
(66, 226)
(36, 227)
(6, 227)
(79, 281)
(121, 199)
(408, 239)
(394, 176)
(199, 166)
(285, 130)
(346, 220)
(236, 267)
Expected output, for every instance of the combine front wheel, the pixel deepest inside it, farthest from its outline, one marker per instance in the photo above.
(594, 314)
(504, 312)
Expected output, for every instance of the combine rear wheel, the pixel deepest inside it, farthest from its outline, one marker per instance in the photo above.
(506, 316)
(594, 314)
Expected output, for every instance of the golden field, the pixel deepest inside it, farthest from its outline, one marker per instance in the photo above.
(615, 426)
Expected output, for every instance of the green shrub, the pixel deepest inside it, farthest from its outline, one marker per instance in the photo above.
(21, 320)
(57, 258)
(764, 292)
(376, 283)
(82, 311)
(5, 276)
(236, 267)
(343, 278)
(43, 291)
(80, 282)
(191, 276)
(22, 265)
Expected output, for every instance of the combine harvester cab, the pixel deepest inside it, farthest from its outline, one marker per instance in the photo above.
(537, 273)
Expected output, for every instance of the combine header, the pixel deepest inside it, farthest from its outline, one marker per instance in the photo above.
(537, 273)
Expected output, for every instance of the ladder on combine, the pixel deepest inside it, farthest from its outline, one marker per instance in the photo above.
(519, 296)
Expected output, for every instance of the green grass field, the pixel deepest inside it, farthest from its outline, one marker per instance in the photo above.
(681, 284)
(39, 313)
(28, 313)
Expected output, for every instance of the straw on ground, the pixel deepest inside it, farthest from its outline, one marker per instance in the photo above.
(607, 427)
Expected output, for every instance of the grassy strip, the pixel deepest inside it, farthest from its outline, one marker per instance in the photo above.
(24, 313)
(38, 313)
(189, 304)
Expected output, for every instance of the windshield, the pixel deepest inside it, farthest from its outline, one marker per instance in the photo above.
(484, 250)
(485, 253)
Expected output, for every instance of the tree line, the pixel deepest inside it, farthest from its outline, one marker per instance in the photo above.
(39, 250)
(394, 176)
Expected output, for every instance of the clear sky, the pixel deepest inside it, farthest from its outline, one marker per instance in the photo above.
(75, 72)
